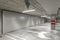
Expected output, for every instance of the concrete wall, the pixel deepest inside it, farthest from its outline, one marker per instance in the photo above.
(0, 22)
(13, 21)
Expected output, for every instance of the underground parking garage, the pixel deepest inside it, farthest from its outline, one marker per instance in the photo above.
(29, 20)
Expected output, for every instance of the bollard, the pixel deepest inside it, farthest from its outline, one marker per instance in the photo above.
(53, 24)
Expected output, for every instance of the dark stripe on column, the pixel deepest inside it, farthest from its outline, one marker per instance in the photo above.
(2, 22)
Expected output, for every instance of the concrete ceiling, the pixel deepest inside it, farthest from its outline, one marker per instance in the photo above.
(19, 5)
(42, 7)
(51, 6)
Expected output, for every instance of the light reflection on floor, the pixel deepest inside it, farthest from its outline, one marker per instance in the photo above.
(33, 33)
(41, 35)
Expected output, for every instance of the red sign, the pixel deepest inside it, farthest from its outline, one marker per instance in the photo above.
(53, 21)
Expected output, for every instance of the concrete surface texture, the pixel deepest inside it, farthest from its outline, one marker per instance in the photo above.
(39, 32)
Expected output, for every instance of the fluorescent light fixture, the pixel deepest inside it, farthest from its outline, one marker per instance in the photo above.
(43, 16)
(46, 17)
(28, 11)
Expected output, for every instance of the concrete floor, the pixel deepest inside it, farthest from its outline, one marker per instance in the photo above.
(38, 32)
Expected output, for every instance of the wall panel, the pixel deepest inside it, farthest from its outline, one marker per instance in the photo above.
(13, 21)
(0, 22)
